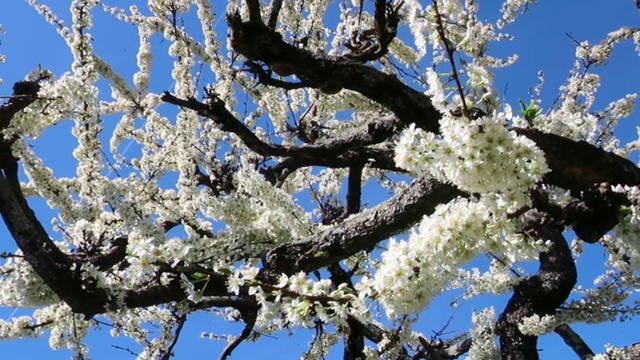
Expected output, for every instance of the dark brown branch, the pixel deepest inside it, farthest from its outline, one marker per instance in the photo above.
(570, 161)
(46, 259)
(254, 11)
(574, 340)
(24, 94)
(249, 316)
(455, 350)
(264, 78)
(380, 18)
(375, 132)
(444, 350)
(354, 332)
(578, 165)
(372, 158)
(259, 42)
(274, 11)
(539, 295)
(354, 190)
(105, 260)
(595, 212)
(362, 232)
(182, 319)
(386, 18)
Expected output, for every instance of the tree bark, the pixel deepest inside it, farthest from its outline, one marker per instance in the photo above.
(541, 294)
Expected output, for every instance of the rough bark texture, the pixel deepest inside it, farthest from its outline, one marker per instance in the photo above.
(541, 294)
(575, 166)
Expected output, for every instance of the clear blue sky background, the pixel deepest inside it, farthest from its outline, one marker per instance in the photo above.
(541, 43)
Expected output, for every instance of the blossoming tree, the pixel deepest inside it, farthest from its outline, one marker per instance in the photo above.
(207, 212)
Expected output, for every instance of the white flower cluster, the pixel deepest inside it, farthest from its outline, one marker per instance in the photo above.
(536, 325)
(412, 272)
(479, 156)
(21, 286)
(298, 301)
(625, 238)
(484, 336)
(574, 117)
(614, 353)
(319, 347)
(606, 302)
(511, 8)
(499, 279)
(65, 328)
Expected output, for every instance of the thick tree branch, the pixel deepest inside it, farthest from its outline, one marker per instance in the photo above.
(362, 231)
(372, 158)
(354, 190)
(385, 20)
(46, 259)
(575, 165)
(107, 259)
(256, 41)
(540, 294)
(375, 132)
(24, 94)
(264, 77)
(49, 262)
(578, 165)
(440, 351)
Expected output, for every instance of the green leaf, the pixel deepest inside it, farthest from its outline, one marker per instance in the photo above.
(529, 111)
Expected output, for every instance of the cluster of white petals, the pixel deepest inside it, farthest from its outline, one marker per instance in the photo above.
(625, 238)
(484, 336)
(536, 325)
(412, 272)
(479, 156)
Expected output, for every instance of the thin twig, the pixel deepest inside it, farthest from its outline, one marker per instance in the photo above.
(250, 320)
(450, 51)
(181, 320)
(574, 341)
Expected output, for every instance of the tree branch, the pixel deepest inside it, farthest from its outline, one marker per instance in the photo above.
(540, 294)
(182, 319)
(578, 165)
(574, 340)
(361, 231)
(375, 132)
(254, 11)
(372, 158)
(354, 190)
(260, 42)
(249, 317)
(274, 11)
(575, 165)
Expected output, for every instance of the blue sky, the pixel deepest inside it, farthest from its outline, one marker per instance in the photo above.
(541, 43)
